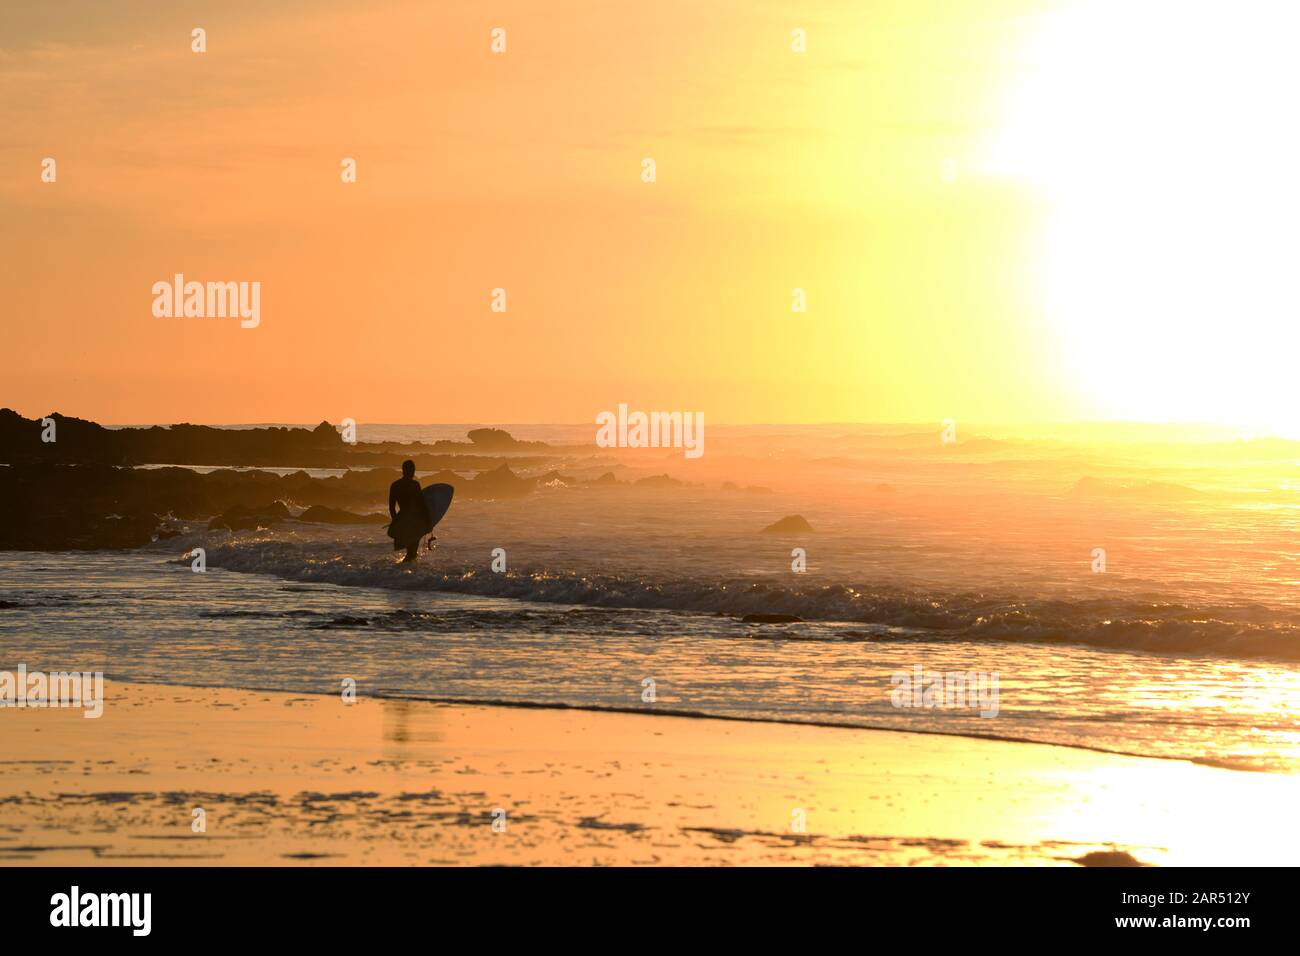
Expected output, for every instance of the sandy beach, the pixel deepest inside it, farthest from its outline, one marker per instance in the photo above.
(289, 779)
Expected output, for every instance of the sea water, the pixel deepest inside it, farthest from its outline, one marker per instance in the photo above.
(922, 561)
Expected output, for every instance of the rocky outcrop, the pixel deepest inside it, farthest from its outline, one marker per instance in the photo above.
(78, 440)
(22, 441)
(791, 524)
(500, 482)
(498, 440)
(56, 507)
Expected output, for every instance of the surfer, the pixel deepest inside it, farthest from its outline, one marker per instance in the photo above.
(409, 513)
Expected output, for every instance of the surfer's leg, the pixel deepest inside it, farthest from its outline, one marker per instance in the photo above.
(412, 551)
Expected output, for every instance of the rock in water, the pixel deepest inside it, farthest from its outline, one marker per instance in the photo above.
(791, 524)
(250, 519)
(322, 514)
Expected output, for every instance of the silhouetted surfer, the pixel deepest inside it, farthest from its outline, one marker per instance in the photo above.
(409, 513)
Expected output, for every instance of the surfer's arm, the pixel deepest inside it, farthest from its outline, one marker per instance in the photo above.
(392, 502)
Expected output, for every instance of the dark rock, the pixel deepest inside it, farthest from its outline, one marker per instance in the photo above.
(78, 440)
(500, 482)
(491, 438)
(85, 442)
(323, 514)
(1107, 858)
(241, 518)
(791, 524)
(496, 439)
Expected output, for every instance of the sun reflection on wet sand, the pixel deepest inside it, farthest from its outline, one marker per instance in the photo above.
(295, 779)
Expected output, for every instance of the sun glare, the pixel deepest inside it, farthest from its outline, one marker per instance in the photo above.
(1161, 137)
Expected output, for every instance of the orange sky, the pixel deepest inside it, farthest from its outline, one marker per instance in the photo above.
(852, 170)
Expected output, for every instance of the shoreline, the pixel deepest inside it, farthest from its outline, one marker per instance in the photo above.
(286, 779)
(426, 645)
(700, 715)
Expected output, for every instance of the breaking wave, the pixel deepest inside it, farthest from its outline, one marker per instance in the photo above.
(1244, 631)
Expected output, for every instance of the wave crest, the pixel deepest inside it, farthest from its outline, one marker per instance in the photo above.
(1248, 631)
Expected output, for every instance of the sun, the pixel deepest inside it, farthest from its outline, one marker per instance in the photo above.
(1163, 141)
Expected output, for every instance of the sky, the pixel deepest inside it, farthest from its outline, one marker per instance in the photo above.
(998, 210)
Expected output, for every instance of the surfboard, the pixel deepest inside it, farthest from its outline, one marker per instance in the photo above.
(438, 499)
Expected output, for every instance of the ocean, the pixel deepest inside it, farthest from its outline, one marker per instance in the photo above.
(978, 560)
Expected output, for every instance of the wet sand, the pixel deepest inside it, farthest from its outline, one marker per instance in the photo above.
(288, 779)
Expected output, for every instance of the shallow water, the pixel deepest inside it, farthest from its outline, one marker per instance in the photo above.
(148, 618)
